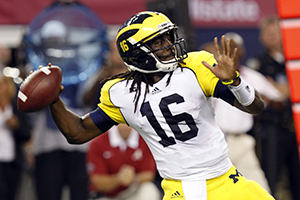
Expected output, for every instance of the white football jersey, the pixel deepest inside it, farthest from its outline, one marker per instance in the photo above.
(175, 120)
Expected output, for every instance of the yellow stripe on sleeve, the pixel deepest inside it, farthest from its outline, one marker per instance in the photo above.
(206, 78)
(107, 106)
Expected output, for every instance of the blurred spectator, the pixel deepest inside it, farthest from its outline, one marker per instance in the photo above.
(274, 127)
(58, 164)
(121, 166)
(70, 35)
(236, 124)
(5, 56)
(15, 130)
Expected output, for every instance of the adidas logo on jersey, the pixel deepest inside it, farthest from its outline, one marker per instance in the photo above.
(248, 89)
(155, 91)
(176, 195)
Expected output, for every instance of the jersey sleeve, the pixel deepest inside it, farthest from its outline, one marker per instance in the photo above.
(205, 77)
(102, 120)
(107, 106)
(223, 92)
(210, 84)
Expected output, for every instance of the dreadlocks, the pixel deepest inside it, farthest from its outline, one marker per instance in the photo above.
(138, 78)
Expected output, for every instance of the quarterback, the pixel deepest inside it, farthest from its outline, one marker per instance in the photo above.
(166, 96)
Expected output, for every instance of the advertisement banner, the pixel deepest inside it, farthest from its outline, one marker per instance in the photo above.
(229, 13)
(203, 13)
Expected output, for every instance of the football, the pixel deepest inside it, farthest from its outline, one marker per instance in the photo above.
(39, 89)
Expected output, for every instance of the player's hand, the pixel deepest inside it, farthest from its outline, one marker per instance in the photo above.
(126, 175)
(225, 70)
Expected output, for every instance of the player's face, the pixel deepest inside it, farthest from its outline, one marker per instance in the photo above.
(162, 48)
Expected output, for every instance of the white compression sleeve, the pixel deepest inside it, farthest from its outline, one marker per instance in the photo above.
(244, 92)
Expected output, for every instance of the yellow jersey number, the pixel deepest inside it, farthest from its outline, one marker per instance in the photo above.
(124, 46)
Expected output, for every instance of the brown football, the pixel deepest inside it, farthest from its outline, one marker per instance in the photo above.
(40, 89)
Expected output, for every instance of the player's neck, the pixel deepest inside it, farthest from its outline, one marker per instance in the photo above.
(158, 76)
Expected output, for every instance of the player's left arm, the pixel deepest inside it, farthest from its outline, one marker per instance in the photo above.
(246, 98)
(256, 107)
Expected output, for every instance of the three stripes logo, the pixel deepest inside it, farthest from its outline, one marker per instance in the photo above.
(176, 195)
(155, 90)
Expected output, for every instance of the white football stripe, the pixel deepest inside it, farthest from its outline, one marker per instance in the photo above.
(22, 96)
(45, 70)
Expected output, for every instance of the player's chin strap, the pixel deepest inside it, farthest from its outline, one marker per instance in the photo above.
(244, 93)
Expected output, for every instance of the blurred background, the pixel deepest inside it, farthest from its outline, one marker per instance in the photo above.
(201, 20)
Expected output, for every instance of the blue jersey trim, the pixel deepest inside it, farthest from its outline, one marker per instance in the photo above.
(102, 120)
(223, 92)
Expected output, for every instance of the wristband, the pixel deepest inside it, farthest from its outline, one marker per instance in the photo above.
(229, 82)
(244, 93)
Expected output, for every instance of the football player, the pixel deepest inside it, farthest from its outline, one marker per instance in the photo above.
(167, 97)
